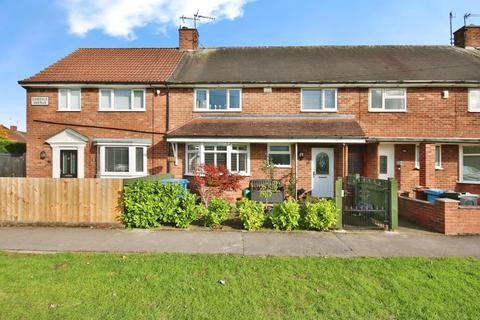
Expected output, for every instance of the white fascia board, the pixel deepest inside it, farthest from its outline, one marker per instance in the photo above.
(262, 140)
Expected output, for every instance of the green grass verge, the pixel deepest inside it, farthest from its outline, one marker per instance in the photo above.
(171, 286)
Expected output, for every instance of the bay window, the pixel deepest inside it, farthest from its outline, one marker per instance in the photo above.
(235, 157)
(319, 100)
(387, 100)
(69, 99)
(279, 154)
(122, 100)
(470, 164)
(218, 99)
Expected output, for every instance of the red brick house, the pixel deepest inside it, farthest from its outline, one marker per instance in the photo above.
(409, 112)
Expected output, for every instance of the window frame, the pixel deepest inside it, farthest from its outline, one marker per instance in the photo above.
(280, 152)
(470, 98)
(228, 152)
(323, 109)
(417, 156)
(438, 164)
(460, 161)
(112, 100)
(370, 109)
(207, 109)
(69, 95)
(132, 162)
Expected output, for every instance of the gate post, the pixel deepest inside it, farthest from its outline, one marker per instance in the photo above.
(338, 201)
(393, 204)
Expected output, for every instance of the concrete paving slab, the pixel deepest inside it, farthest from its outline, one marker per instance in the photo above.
(298, 243)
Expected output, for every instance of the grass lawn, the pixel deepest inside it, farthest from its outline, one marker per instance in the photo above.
(173, 286)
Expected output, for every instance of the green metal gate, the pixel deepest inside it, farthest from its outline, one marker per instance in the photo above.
(367, 203)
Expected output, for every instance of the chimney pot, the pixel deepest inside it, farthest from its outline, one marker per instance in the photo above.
(188, 38)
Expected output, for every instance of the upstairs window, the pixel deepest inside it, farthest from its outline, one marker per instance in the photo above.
(122, 100)
(388, 100)
(218, 100)
(319, 100)
(474, 100)
(69, 99)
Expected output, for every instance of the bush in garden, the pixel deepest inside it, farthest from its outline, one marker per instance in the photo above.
(218, 212)
(212, 181)
(286, 215)
(188, 211)
(252, 213)
(149, 204)
(320, 215)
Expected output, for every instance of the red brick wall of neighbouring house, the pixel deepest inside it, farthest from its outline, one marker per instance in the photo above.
(444, 216)
(45, 121)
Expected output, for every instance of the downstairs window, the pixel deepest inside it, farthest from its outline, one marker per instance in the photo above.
(235, 157)
(122, 161)
(470, 164)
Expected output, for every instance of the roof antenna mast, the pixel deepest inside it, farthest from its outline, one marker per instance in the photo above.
(452, 15)
(469, 15)
(196, 17)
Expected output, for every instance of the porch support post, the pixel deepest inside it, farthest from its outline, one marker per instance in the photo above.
(427, 164)
(371, 166)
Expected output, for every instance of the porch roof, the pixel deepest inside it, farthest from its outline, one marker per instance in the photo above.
(280, 128)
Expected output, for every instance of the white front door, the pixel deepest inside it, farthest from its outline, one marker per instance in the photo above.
(386, 161)
(322, 172)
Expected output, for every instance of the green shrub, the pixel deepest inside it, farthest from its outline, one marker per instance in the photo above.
(188, 211)
(149, 204)
(252, 213)
(218, 212)
(286, 215)
(321, 214)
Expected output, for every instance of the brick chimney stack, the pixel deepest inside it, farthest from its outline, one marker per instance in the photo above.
(13, 128)
(188, 38)
(467, 37)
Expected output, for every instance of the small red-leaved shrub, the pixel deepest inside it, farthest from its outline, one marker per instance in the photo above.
(212, 181)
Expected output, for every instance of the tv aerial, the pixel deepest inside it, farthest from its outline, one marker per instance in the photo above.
(196, 17)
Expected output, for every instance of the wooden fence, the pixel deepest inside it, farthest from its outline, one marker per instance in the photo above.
(12, 165)
(67, 201)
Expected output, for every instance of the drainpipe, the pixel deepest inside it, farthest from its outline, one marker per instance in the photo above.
(296, 169)
(167, 121)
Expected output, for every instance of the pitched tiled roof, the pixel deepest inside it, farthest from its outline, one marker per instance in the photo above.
(15, 135)
(329, 64)
(111, 65)
(286, 127)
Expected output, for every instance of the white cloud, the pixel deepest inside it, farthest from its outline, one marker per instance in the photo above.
(119, 18)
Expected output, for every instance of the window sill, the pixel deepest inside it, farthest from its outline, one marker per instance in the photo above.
(468, 182)
(68, 110)
(115, 110)
(416, 168)
(121, 175)
(318, 111)
(438, 168)
(240, 174)
(219, 110)
(387, 111)
(281, 166)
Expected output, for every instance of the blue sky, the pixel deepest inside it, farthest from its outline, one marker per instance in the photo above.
(36, 33)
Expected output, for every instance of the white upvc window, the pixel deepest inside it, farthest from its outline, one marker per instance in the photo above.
(474, 99)
(438, 157)
(122, 100)
(319, 100)
(235, 156)
(122, 160)
(280, 155)
(218, 99)
(417, 156)
(69, 99)
(470, 164)
(387, 100)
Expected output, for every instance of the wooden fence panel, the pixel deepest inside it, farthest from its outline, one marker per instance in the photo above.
(12, 165)
(69, 201)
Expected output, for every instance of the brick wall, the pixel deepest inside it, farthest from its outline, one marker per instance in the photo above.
(467, 37)
(45, 121)
(444, 216)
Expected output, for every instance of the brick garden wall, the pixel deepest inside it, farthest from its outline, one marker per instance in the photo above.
(444, 216)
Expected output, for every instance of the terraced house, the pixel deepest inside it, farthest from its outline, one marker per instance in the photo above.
(319, 112)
